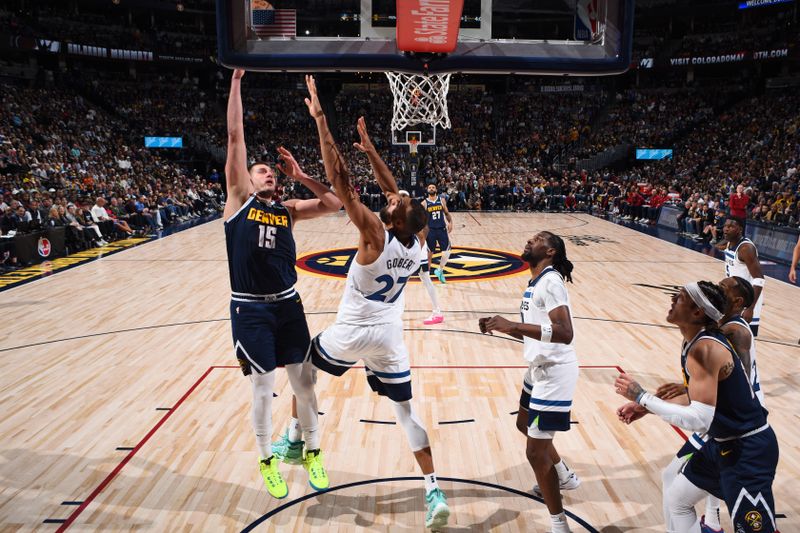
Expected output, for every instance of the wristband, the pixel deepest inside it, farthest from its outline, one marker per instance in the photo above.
(547, 332)
(640, 398)
(757, 282)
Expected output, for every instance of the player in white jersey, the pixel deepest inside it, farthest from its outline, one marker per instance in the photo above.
(741, 259)
(369, 323)
(739, 294)
(549, 383)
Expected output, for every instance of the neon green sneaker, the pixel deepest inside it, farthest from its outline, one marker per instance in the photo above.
(438, 511)
(287, 451)
(317, 476)
(272, 477)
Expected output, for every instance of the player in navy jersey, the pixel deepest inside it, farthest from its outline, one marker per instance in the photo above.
(440, 225)
(740, 296)
(267, 320)
(739, 460)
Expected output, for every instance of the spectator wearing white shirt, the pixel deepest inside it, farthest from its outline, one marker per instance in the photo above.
(101, 218)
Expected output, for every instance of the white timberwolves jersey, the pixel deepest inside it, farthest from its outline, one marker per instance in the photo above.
(374, 293)
(735, 267)
(545, 293)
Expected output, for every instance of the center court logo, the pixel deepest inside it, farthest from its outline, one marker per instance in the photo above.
(465, 264)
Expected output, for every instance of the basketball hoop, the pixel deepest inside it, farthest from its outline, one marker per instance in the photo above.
(412, 146)
(419, 99)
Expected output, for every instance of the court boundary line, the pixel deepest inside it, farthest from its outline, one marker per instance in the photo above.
(125, 460)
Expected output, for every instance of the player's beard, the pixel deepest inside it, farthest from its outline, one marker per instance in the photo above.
(526, 256)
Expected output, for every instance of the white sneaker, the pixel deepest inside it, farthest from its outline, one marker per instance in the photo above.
(571, 483)
(101, 242)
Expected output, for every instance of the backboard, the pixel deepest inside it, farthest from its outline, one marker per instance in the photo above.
(559, 37)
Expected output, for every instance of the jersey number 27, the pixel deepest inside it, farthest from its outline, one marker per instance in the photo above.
(382, 295)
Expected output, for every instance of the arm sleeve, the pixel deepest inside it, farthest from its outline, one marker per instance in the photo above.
(695, 417)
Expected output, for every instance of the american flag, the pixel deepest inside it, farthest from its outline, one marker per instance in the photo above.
(275, 22)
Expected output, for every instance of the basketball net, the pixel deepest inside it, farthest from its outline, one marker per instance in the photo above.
(419, 99)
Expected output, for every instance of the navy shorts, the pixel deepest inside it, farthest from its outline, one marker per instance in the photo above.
(269, 335)
(741, 472)
(440, 236)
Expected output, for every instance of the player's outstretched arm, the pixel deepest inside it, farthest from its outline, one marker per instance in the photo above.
(369, 226)
(325, 202)
(382, 173)
(236, 175)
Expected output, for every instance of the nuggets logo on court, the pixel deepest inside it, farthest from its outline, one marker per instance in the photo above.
(465, 264)
(753, 519)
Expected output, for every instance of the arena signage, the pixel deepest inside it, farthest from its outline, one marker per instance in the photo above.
(734, 57)
(761, 3)
(46, 45)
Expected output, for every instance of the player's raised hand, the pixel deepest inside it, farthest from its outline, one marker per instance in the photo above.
(238, 74)
(628, 387)
(289, 165)
(668, 391)
(366, 143)
(312, 102)
(631, 412)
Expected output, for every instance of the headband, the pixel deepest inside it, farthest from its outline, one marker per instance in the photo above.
(698, 297)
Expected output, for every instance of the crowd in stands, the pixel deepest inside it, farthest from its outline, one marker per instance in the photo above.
(64, 160)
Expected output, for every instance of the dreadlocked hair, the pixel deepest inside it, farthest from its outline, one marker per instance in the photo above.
(715, 295)
(560, 262)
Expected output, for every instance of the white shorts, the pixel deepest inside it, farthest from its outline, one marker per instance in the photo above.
(547, 392)
(381, 347)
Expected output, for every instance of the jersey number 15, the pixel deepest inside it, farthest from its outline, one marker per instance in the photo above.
(266, 236)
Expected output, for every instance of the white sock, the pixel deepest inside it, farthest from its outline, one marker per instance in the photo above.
(444, 258)
(562, 470)
(559, 523)
(312, 438)
(430, 482)
(295, 431)
(426, 280)
(712, 512)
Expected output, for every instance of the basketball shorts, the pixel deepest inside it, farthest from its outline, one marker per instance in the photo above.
(269, 335)
(381, 347)
(741, 472)
(438, 236)
(547, 392)
(694, 443)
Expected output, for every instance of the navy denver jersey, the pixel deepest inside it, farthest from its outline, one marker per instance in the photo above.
(261, 248)
(738, 410)
(435, 213)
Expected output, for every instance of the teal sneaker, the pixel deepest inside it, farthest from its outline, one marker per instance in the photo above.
(287, 451)
(439, 273)
(438, 511)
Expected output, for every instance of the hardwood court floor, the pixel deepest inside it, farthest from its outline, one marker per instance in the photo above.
(122, 409)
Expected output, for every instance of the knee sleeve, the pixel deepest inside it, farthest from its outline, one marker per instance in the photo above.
(412, 425)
